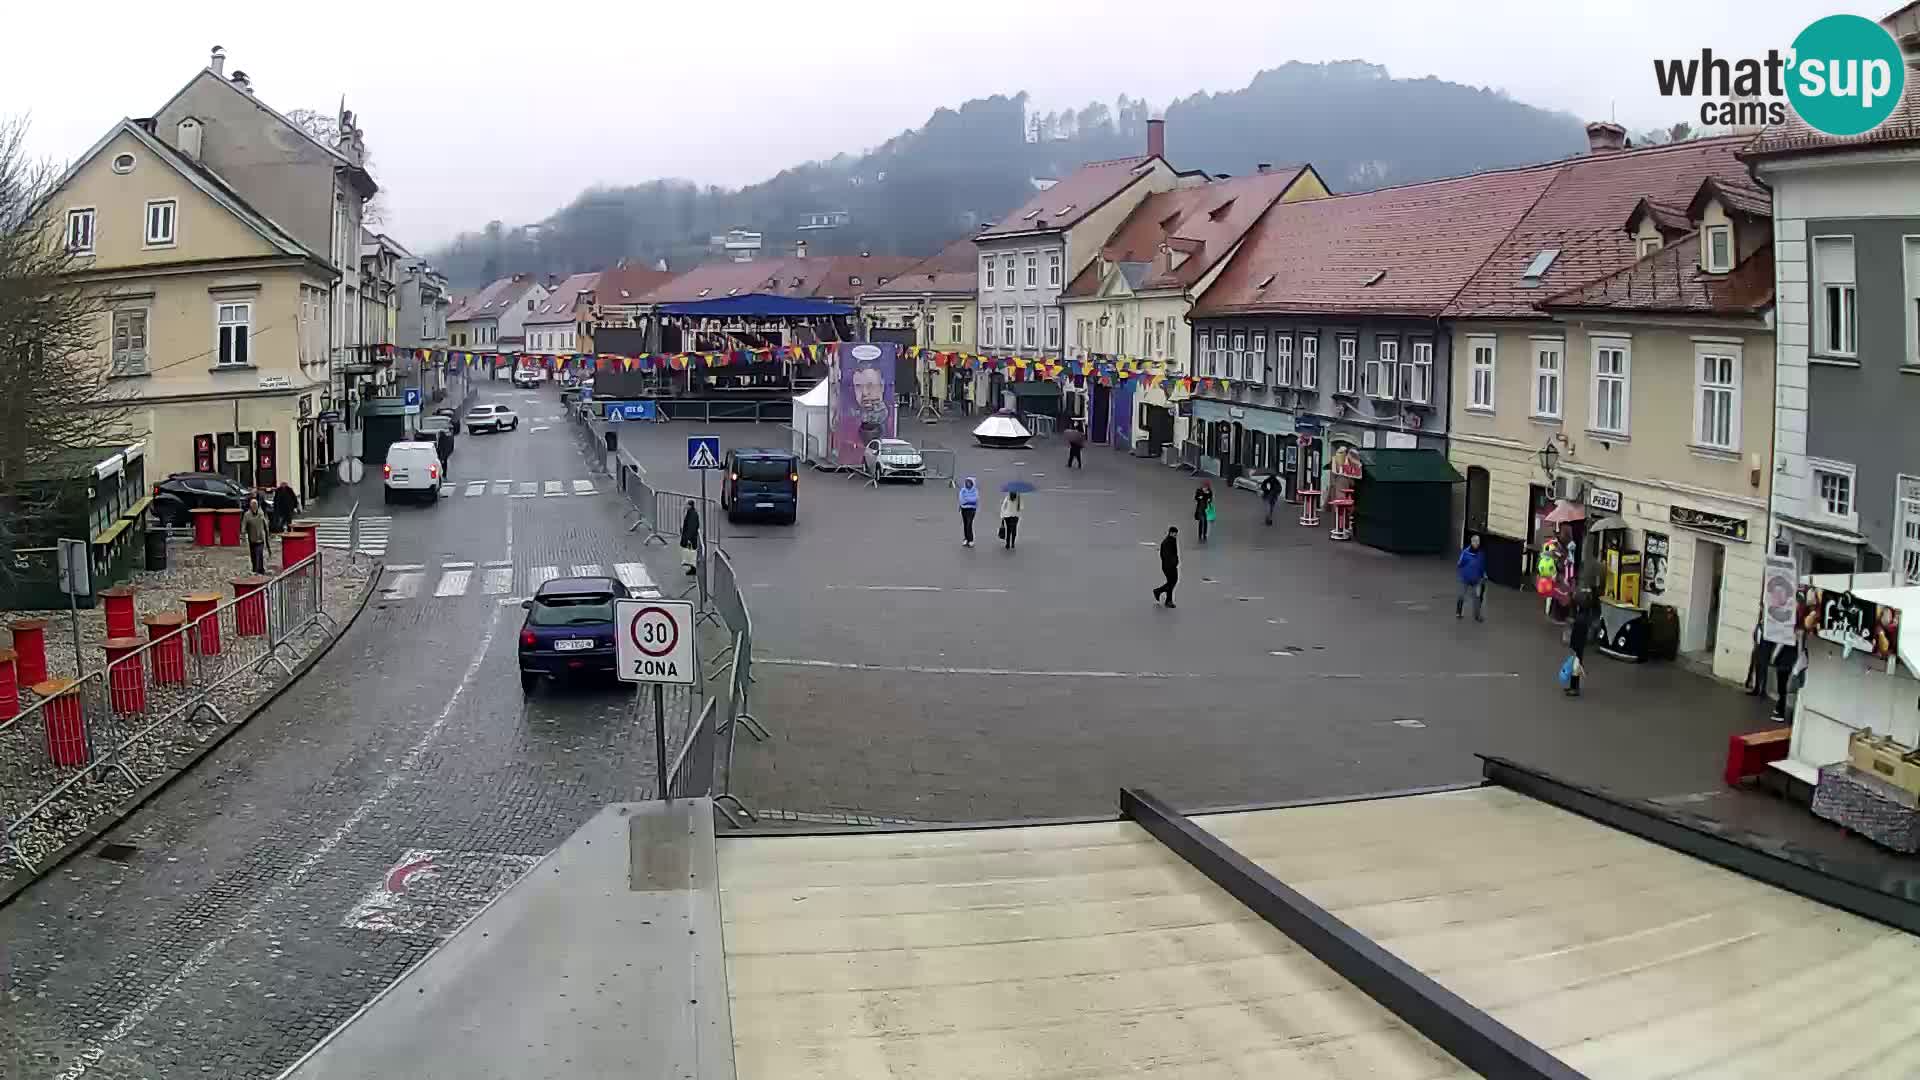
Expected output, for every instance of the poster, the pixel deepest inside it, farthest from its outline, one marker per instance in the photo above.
(1120, 429)
(1779, 589)
(864, 404)
(1654, 579)
(1850, 622)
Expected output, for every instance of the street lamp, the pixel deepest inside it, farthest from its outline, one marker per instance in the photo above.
(1549, 457)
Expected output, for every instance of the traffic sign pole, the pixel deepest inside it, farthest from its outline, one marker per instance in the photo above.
(660, 739)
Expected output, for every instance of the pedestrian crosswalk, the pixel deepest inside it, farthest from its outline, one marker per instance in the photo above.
(455, 579)
(337, 533)
(518, 489)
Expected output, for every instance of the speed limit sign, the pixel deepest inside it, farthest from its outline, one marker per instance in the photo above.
(653, 640)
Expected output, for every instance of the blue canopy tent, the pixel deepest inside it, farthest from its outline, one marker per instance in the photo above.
(762, 305)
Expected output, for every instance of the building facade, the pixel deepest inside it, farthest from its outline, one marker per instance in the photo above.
(554, 326)
(933, 303)
(495, 318)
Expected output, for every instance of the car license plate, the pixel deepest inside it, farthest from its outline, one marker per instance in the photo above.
(573, 644)
(763, 506)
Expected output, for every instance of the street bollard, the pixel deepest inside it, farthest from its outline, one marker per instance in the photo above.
(119, 604)
(66, 724)
(126, 682)
(203, 526)
(250, 614)
(228, 526)
(203, 635)
(296, 546)
(9, 687)
(30, 650)
(169, 647)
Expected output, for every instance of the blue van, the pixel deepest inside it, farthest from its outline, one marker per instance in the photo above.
(761, 484)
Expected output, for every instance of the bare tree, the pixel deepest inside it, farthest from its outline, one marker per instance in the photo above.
(57, 399)
(326, 128)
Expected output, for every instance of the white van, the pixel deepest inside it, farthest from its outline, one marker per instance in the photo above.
(413, 468)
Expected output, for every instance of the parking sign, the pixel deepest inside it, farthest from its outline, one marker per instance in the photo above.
(653, 641)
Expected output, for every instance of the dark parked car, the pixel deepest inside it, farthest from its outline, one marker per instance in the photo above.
(453, 415)
(174, 496)
(569, 629)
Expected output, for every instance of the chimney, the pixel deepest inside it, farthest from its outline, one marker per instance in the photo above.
(1263, 168)
(244, 84)
(1157, 138)
(1605, 138)
(218, 63)
(187, 137)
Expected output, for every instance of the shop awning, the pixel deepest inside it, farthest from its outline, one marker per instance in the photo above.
(1409, 467)
(1037, 388)
(762, 304)
(1566, 511)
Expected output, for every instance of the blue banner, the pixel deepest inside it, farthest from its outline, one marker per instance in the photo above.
(618, 411)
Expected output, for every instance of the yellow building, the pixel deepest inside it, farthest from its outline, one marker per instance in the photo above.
(937, 300)
(216, 328)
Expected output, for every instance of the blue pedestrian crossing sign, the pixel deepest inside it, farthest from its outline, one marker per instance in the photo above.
(703, 452)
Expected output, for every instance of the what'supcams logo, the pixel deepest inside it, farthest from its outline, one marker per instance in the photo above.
(1843, 76)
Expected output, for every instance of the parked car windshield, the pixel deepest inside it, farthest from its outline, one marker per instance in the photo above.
(571, 610)
(895, 446)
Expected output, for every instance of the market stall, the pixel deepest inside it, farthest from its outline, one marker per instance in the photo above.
(1403, 499)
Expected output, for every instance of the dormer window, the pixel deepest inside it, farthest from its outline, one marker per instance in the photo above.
(855, 280)
(1220, 211)
(1265, 281)
(1646, 246)
(1065, 210)
(1030, 215)
(1538, 268)
(702, 294)
(1718, 249)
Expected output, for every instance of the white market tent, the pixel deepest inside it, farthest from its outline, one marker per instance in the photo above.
(1844, 693)
(813, 426)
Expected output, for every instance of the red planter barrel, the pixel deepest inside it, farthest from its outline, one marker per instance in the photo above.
(229, 527)
(250, 614)
(30, 650)
(296, 546)
(204, 534)
(119, 604)
(126, 679)
(169, 653)
(66, 723)
(203, 634)
(9, 687)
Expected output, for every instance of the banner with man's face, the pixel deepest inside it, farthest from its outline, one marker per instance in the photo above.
(863, 396)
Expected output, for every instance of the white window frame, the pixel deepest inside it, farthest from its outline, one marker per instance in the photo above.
(1237, 356)
(1283, 359)
(956, 326)
(130, 361)
(81, 235)
(1707, 238)
(1910, 250)
(171, 218)
(1007, 330)
(1347, 348)
(1053, 328)
(1006, 270)
(1053, 269)
(1309, 361)
(1906, 529)
(1033, 269)
(987, 276)
(1257, 359)
(236, 349)
(1146, 337)
(1730, 390)
(1382, 369)
(986, 329)
(1603, 380)
(1030, 323)
(1483, 377)
(1545, 377)
(1647, 245)
(1418, 372)
(1817, 501)
(1844, 293)
(1119, 337)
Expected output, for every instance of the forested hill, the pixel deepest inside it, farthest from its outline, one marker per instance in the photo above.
(917, 191)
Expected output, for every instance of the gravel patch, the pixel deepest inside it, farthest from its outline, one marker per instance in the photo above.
(166, 746)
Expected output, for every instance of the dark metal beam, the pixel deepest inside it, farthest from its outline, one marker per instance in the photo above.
(1804, 873)
(1477, 1040)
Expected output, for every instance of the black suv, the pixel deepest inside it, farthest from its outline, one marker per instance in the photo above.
(183, 492)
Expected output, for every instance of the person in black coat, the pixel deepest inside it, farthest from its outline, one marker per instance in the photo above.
(443, 444)
(1579, 626)
(285, 505)
(1169, 564)
(690, 539)
(1785, 659)
(1202, 502)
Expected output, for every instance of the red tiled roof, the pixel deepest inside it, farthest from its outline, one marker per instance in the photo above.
(1204, 220)
(558, 306)
(1082, 192)
(953, 269)
(1581, 214)
(818, 278)
(1669, 220)
(848, 276)
(1796, 137)
(627, 284)
(494, 300)
(1670, 281)
(1428, 238)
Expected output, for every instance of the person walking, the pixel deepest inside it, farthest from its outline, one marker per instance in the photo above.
(969, 506)
(443, 445)
(285, 505)
(690, 539)
(1203, 507)
(1759, 661)
(1010, 518)
(1270, 489)
(253, 525)
(1169, 565)
(1579, 625)
(1076, 442)
(1785, 659)
(1472, 571)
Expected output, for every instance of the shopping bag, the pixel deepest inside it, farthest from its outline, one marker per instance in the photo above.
(1003, 528)
(1210, 513)
(1567, 669)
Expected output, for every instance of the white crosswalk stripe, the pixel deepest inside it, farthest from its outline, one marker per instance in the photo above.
(633, 575)
(554, 488)
(540, 575)
(586, 569)
(502, 487)
(584, 487)
(476, 487)
(499, 581)
(403, 586)
(333, 532)
(527, 489)
(453, 583)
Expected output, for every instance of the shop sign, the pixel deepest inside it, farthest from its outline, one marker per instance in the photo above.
(1654, 576)
(1603, 499)
(1307, 425)
(276, 382)
(1687, 517)
(306, 406)
(1850, 622)
(1346, 463)
(1779, 601)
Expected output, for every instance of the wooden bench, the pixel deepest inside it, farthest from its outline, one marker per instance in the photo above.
(1749, 753)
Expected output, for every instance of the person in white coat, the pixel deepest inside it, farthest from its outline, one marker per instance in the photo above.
(1010, 508)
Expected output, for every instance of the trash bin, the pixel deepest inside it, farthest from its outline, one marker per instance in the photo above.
(613, 441)
(156, 549)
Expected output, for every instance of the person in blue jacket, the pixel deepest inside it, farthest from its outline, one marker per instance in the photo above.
(1472, 569)
(969, 506)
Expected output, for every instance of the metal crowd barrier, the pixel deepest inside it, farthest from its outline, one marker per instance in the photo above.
(102, 724)
(1040, 424)
(640, 498)
(703, 764)
(940, 465)
(670, 508)
(1190, 457)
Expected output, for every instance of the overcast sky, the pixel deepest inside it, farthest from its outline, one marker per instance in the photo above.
(472, 114)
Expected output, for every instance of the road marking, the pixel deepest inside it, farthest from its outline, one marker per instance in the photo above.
(498, 562)
(553, 488)
(584, 487)
(924, 669)
(538, 427)
(169, 986)
(403, 587)
(503, 487)
(1402, 676)
(476, 487)
(540, 575)
(453, 583)
(514, 601)
(456, 566)
(890, 588)
(527, 487)
(633, 575)
(586, 569)
(397, 567)
(498, 581)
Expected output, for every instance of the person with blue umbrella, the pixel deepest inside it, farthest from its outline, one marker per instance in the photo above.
(1012, 504)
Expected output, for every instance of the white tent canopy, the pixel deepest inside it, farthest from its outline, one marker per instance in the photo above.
(818, 397)
(813, 425)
